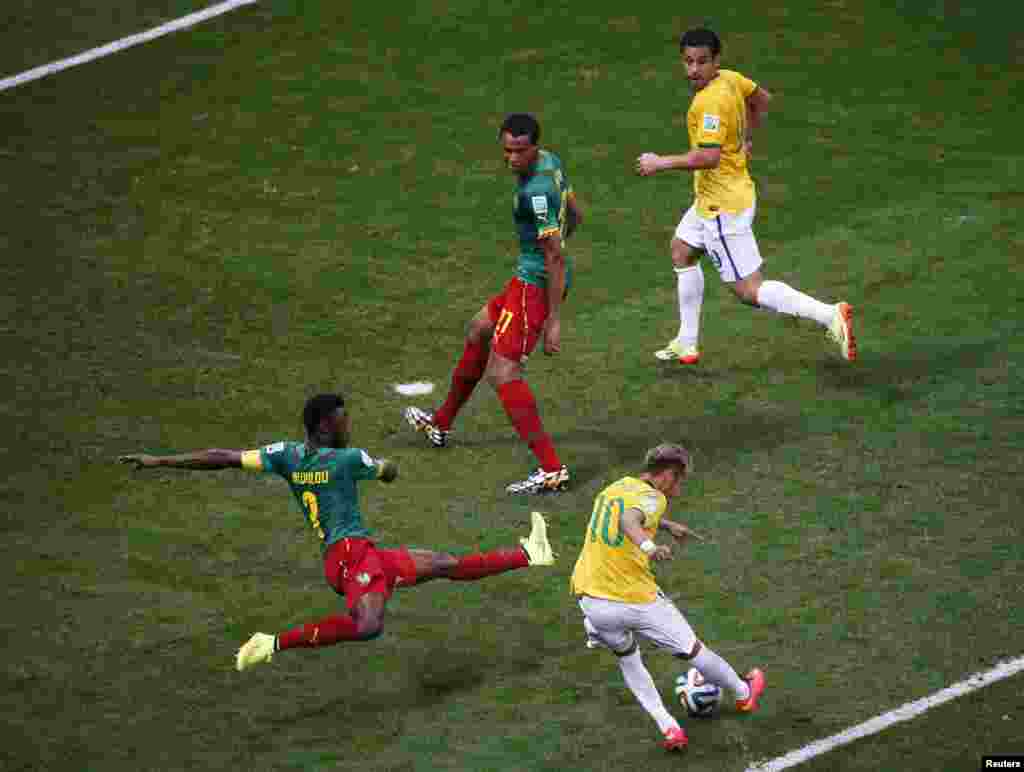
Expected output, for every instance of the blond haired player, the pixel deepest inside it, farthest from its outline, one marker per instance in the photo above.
(620, 598)
(725, 110)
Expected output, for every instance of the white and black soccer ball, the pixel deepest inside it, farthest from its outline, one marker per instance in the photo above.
(700, 698)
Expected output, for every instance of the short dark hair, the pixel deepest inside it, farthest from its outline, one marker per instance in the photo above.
(519, 124)
(666, 455)
(318, 407)
(701, 37)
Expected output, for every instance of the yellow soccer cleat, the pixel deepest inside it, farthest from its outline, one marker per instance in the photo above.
(258, 649)
(538, 550)
(685, 355)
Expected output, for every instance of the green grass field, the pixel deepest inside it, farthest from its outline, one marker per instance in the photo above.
(303, 196)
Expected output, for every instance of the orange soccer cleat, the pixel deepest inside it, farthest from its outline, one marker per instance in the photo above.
(675, 739)
(755, 679)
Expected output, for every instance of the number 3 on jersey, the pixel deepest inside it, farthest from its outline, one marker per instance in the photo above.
(313, 511)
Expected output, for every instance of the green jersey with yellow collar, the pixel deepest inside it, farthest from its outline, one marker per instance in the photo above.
(323, 481)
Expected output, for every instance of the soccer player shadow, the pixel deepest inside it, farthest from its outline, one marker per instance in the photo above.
(703, 373)
(715, 438)
(429, 675)
(433, 676)
(903, 375)
(435, 680)
(447, 667)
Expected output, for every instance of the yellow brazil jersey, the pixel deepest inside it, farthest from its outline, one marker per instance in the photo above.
(718, 118)
(610, 565)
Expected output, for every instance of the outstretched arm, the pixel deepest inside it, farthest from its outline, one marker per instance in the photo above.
(701, 158)
(679, 531)
(202, 459)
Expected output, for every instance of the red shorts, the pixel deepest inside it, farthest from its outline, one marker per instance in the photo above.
(355, 567)
(518, 315)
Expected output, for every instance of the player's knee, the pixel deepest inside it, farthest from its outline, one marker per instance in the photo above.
(688, 655)
(747, 288)
(478, 330)
(500, 370)
(683, 255)
(746, 293)
(443, 562)
(369, 628)
(628, 649)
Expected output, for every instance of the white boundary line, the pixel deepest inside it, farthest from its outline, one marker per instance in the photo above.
(119, 45)
(902, 713)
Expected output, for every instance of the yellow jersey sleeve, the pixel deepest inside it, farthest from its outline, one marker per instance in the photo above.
(650, 503)
(744, 84)
(252, 460)
(716, 116)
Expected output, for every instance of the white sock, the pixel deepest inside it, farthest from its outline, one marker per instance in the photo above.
(718, 671)
(639, 681)
(783, 299)
(690, 285)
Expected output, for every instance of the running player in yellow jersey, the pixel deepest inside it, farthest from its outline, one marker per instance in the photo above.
(619, 595)
(726, 108)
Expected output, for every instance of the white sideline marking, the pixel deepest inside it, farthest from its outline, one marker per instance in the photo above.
(119, 45)
(902, 713)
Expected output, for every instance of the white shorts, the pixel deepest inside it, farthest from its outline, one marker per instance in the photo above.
(728, 240)
(613, 623)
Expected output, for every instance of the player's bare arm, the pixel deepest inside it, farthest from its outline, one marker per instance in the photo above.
(208, 460)
(679, 531)
(387, 470)
(574, 215)
(554, 263)
(632, 525)
(757, 107)
(701, 158)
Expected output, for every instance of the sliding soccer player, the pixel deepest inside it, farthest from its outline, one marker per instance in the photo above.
(323, 472)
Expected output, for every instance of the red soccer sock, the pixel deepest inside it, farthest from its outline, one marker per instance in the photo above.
(521, 408)
(326, 632)
(465, 377)
(483, 564)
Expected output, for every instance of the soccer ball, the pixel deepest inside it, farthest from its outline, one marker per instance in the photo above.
(701, 698)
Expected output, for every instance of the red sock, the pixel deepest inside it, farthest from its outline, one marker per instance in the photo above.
(521, 408)
(326, 632)
(483, 564)
(465, 377)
